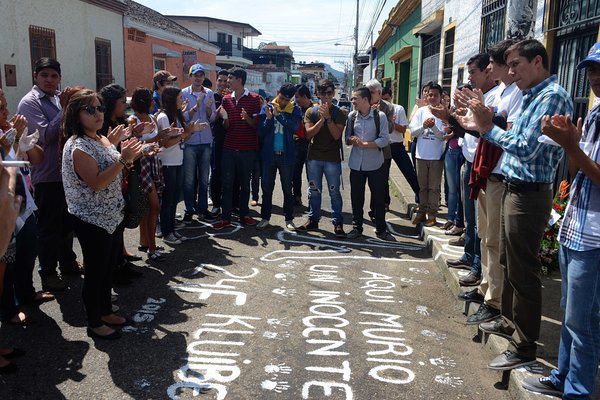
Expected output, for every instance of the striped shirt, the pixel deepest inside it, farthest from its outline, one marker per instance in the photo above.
(580, 229)
(240, 135)
(525, 158)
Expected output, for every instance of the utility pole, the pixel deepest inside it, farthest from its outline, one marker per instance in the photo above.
(355, 70)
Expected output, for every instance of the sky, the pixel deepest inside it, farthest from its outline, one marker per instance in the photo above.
(309, 27)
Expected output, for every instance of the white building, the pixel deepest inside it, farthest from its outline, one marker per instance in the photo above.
(86, 37)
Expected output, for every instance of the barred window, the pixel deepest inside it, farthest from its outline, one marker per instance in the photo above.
(136, 35)
(448, 60)
(103, 63)
(493, 23)
(430, 58)
(42, 43)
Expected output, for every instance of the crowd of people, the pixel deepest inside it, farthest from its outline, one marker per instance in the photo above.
(96, 170)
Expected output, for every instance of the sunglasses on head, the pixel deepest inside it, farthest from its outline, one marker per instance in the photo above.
(92, 109)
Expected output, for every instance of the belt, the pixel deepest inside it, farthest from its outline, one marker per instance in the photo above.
(522, 187)
(496, 178)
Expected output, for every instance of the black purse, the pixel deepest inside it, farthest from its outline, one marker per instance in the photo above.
(136, 201)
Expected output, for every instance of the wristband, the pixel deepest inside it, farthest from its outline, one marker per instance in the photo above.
(126, 164)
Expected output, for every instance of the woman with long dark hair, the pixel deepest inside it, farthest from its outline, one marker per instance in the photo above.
(92, 172)
(171, 156)
(150, 172)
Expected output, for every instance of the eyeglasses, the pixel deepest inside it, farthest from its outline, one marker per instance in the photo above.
(92, 109)
(326, 93)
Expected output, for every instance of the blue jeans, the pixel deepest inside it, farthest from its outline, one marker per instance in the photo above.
(472, 250)
(236, 166)
(269, 172)
(332, 171)
(579, 350)
(196, 170)
(452, 163)
(170, 197)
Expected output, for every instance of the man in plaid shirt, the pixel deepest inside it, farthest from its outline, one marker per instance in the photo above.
(579, 238)
(529, 167)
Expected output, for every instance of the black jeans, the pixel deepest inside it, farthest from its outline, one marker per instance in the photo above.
(215, 172)
(377, 183)
(55, 229)
(301, 147)
(236, 164)
(100, 251)
(402, 160)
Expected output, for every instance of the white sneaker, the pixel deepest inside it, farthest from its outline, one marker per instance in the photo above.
(158, 233)
(171, 239)
(262, 224)
(180, 236)
(210, 203)
(289, 225)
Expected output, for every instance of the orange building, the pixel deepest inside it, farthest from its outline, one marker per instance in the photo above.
(154, 42)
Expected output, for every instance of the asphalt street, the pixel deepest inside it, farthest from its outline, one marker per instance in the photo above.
(248, 314)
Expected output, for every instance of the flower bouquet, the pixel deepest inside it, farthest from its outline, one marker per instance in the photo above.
(549, 247)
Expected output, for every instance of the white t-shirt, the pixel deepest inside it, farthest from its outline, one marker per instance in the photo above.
(400, 119)
(30, 206)
(429, 147)
(469, 142)
(508, 101)
(147, 136)
(169, 156)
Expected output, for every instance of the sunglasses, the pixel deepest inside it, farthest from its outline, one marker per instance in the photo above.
(326, 93)
(92, 109)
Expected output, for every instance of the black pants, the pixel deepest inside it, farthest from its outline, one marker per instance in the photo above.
(215, 172)
(55, 229)
(377, 183)
(25, 261)
(301, 147)
(100, 251)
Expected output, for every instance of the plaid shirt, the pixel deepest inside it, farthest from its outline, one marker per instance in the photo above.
(580, 229)
(525, 158)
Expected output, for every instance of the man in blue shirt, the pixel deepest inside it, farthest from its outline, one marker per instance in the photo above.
(278, 121)
(198, 148)
(579, 238)
(367, 132)
(529, 167)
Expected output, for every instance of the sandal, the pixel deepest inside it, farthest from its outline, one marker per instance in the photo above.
(117, 320)
(156, 256)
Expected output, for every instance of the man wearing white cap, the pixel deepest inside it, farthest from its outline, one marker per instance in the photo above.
(197, 152)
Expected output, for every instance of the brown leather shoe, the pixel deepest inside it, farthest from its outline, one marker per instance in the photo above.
(431, 221)
(470, 279)
(459, 242)
(419, 218)
(309, 226)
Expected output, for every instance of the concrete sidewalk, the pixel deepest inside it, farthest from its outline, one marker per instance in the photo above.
(441, 251)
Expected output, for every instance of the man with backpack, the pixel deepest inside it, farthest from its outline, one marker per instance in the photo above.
(324, 126)
(367, 133)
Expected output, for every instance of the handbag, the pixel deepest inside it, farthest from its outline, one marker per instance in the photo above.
(136, 201)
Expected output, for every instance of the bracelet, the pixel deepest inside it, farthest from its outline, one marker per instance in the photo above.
(125, 163)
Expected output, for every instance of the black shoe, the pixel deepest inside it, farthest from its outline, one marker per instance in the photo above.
(207, 217)
(386, 236)
(354, 233)
(496, 327)
(14, 354)
(187, 218)
(472, 295)
(130, 272)
(484, 313)
(541, 385)
(120, 278)
(510, 360)
(133, 258)
(75, 269)
(8, 369)
(113, 336)
(338, 230)
(309, 225)
(471, 279)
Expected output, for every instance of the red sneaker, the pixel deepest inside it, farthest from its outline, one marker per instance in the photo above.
(221, 224)
(249, 221)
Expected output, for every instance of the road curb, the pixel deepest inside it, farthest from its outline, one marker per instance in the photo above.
(437, 243)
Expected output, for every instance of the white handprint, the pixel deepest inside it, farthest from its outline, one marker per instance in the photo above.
(419, 270)
(446, 379)
(410, 281)
(442, 362)
(279, 368)
(276, 335)
(285, 292)
(436, 336)
(282, 322)
(277, 387)
(422, 310)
